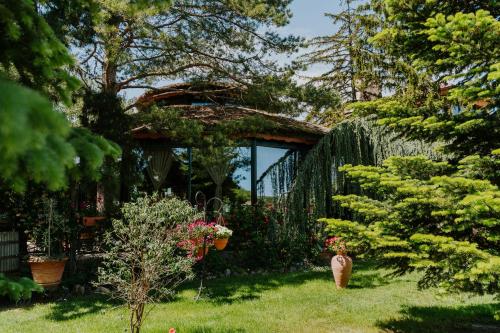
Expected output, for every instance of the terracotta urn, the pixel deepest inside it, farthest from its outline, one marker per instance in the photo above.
(47, 272)
(341, 268)
(220, 244)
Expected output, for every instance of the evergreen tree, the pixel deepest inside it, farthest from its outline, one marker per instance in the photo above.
(36, 142)
(416, 214)
(441, 218)
(459, 51)
(357, 70)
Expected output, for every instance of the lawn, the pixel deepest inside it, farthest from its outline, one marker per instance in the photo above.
(289, 302)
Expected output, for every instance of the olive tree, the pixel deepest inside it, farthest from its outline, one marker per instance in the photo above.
(143, 262)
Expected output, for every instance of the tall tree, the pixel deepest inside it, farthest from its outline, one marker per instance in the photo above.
(135, 44)
(354, 64)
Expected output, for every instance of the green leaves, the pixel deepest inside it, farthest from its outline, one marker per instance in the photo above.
(425, 215)
(32, 139)
(20, 289)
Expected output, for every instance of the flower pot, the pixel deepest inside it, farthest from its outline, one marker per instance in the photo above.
(199, 251)
(220, 244)
(47, 272)
(341, 268)
(91, 221)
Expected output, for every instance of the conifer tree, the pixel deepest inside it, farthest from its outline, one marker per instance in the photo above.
(36, 142)
(356, 69)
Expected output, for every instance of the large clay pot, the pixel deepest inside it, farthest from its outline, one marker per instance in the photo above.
(91, 221)
(47, 272)
(220, 244)
(341, 268)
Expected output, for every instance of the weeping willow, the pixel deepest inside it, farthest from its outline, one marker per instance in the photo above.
(310, 186)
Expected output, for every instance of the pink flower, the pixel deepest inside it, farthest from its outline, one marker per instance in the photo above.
(171, 330)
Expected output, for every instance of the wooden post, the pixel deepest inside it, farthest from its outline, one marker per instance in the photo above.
(190, 173)
(253, 171)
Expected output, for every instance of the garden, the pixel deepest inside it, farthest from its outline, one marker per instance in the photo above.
(199, 166)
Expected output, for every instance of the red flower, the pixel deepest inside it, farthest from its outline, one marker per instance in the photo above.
(171, 330)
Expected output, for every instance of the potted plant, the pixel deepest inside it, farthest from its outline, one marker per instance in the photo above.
(201, 235)
(341, 263)
(47, 270)
(222, 235)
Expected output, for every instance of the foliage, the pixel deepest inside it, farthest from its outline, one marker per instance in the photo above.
(127, 44)
(50, 228)
(222, 232)
(20, 289)
(143, 262)
(450, 44)
(261, 240)
(356, 141)
(352, 60)
(422, 215)
(36, 142)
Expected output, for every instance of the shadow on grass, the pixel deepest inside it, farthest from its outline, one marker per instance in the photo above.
(436, 319)
(250, 287)
(211, 330)
(79, 306)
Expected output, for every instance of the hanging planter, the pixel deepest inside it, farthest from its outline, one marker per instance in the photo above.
(199, 252)
(222, 235)
(220, 244)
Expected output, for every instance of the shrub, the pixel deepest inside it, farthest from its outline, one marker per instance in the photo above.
(421, 215)
(20, 289)
(143, 262)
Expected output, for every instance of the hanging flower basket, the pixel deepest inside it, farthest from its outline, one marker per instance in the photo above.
(199, 252)
(222, 235)
(220, 244)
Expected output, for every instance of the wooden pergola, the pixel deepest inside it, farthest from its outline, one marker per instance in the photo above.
(212, 104)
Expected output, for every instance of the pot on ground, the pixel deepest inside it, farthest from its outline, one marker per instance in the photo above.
(47, 272)
(220, 244)
(341, 268)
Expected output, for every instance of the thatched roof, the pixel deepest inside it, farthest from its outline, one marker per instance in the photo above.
(276, 127)
(188, 93)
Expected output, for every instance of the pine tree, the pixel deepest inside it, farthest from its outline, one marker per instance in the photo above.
(459, 51)
(357, 70)
(433, 217)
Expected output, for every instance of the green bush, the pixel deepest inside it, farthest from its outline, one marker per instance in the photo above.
(415, 214)
(20, 289)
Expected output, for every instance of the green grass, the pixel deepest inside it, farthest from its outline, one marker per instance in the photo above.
(293, 302)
